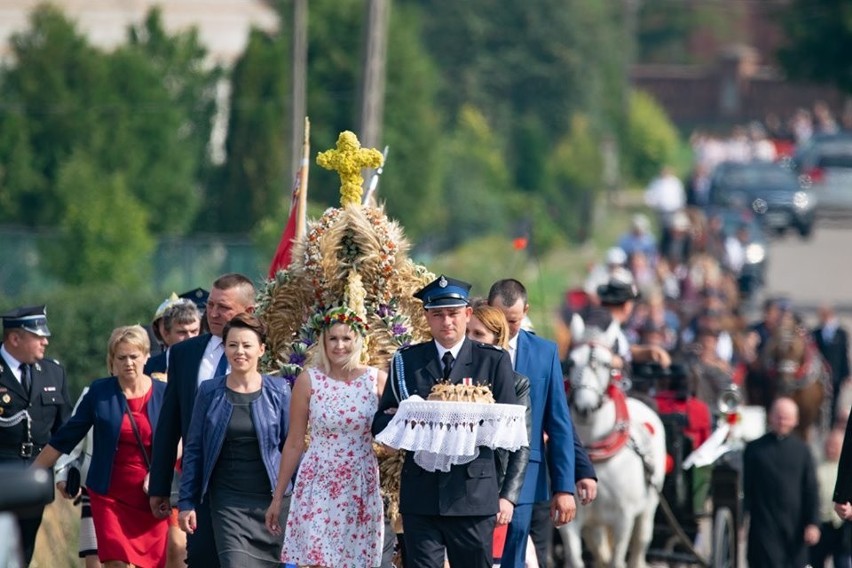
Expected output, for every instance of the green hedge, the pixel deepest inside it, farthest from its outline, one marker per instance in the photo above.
(80, 321)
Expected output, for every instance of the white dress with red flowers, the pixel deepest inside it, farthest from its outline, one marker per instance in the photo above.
(336, 516)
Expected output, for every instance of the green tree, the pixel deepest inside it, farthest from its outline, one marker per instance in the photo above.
(187, 77)
(577, 170)
(477, 180)
(818, 37)
(103, 233)
(134, 111)
(21, 184)
(54, 86)
(652, 140)
(253, 181)
(530, 67)
(170, 91)
(413, 126)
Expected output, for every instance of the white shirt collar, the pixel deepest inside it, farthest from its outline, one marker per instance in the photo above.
(210, 359)
(513, 348)
(14, 364)
(454, 349)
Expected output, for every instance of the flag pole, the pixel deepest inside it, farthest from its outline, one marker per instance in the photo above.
(301, 218)
(296, 226)
(370, 197)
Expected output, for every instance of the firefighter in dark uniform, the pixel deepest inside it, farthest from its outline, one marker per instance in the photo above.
(456, 510)
(33, 400)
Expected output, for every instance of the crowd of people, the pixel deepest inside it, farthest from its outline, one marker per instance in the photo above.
(681, 306)
(197, 440)
(193, 456)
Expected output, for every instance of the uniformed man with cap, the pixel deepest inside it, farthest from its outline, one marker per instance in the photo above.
(456, 510)
(199, 297)
(33, 400)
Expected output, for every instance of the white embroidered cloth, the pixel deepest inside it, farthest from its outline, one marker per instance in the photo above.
(443, 434)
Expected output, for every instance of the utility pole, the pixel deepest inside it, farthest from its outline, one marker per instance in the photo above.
(299, 94)
(373, 83)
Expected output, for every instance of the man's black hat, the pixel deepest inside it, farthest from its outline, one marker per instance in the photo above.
(619, 289)
(28, 318)
(444, 292)
(199, 296)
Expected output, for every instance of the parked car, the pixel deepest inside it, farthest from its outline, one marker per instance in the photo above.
(771, 190)
(824, 164)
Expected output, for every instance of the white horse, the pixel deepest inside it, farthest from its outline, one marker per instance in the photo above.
(626, 442)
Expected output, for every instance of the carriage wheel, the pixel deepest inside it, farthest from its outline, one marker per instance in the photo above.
(724, 553)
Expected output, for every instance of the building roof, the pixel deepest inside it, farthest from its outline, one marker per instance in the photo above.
(223, 25)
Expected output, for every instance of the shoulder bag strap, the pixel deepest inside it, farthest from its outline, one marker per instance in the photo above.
(136, 433)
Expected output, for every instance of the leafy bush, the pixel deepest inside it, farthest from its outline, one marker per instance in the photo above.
(651, 141)
(576, 168)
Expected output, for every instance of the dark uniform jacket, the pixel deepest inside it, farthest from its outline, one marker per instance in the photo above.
(466, 490)
(157, 363)
(47, 402)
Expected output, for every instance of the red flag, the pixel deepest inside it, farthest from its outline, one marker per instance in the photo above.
(284, 252)
(295, 227)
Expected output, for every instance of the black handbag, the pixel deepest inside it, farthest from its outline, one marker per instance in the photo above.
(72, 482)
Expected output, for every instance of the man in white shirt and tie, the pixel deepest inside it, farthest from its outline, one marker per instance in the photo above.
(190, 363)
(563, 458)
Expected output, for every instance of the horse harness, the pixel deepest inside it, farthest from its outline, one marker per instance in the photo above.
(619, 436)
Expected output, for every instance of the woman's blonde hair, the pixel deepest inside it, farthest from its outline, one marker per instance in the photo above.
(494, 321)
(319, 357)
(134, 335)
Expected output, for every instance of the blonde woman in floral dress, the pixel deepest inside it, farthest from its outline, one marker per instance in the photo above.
(336, 518)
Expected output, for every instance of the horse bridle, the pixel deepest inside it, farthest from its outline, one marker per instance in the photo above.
(594, 364)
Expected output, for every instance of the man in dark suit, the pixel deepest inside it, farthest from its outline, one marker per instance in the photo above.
(833, 342)
(456, 510)
(33, 401)
(563, 457)
(178, 321)
(190, 363)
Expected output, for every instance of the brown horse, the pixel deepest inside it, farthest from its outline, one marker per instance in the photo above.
(790, 365)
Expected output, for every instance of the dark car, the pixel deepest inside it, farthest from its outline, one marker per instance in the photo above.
(825, 165)
(772, 191)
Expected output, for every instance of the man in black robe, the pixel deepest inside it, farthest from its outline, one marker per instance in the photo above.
(780, 493)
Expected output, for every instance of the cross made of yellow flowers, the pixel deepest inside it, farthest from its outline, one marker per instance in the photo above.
(348, 159)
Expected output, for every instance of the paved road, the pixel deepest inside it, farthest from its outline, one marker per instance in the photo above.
(814, 271)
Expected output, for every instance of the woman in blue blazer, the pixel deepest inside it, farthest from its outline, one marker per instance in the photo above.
(231, 454)
(121, 410)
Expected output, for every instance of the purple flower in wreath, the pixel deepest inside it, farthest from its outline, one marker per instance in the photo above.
(399, 329)
(297, 359)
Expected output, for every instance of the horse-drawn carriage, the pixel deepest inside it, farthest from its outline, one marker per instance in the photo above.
(689, 508)
(700, 513)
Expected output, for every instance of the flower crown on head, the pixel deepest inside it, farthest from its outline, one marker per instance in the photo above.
(344, 315)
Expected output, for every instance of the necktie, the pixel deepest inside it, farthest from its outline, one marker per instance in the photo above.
(222, 367)
(448, 364)
(26, 379)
